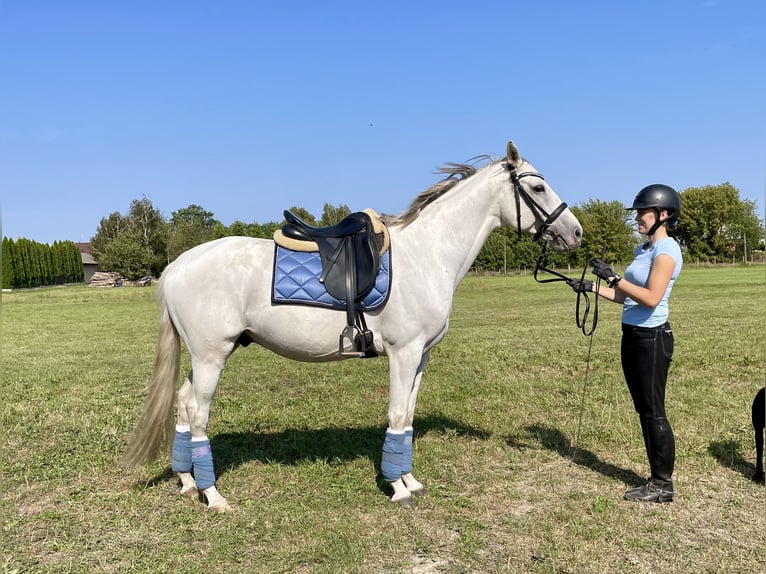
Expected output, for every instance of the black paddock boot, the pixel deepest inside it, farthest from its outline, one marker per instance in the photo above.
(661, 451)
(654, 490)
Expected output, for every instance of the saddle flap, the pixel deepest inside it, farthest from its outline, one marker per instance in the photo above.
(350, 265)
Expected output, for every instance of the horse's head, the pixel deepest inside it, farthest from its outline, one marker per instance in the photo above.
(534, 206)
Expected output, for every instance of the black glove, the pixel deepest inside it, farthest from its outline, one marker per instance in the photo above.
(580, 285)
(601, 269)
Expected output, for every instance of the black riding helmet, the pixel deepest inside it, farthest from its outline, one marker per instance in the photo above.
(659, 196)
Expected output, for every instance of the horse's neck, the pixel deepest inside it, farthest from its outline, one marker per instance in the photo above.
(448, 234)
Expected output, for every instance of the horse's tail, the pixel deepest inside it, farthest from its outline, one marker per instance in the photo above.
(156, 425)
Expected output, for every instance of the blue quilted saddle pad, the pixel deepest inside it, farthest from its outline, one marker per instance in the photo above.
(296, 280)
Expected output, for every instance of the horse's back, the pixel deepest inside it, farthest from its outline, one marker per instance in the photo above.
(219, 260)
(210, 287)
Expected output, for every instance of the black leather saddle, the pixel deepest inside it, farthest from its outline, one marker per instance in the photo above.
(350, 257)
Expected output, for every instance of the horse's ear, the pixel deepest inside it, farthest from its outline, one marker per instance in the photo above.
(512, 154)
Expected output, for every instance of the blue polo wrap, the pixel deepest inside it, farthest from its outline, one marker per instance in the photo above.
(391, 462)
(407, 452)
(202, 458)
(181, 458)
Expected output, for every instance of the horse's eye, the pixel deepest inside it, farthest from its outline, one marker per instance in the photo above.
(539, 188)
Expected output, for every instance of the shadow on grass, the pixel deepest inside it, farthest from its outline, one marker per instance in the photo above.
(556, 441)
(727, 453)
(292, 446)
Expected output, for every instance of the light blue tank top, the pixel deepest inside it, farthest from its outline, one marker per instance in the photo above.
(638, 274)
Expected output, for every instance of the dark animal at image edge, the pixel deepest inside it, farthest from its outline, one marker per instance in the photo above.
(759, 413)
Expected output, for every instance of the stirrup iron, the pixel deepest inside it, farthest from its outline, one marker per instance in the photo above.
(350, 334)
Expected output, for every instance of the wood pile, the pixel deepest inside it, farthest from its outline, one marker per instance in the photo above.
(107, 279)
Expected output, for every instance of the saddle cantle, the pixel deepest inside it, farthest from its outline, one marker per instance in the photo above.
(350, 254)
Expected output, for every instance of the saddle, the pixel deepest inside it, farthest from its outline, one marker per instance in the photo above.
(350, 253)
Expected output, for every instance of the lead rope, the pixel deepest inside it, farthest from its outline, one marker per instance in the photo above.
(581, 324)
(576, 447)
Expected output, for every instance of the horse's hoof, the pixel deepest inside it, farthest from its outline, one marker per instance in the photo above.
(191, 492)
(220, 508)
(404, 501)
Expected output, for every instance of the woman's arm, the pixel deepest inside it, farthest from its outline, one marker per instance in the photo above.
(649, 296)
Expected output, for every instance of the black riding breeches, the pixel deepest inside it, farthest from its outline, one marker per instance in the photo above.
(646, 353)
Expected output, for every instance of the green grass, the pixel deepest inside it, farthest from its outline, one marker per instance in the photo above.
(297, 445)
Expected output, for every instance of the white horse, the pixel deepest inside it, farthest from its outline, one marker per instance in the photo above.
(216, 292)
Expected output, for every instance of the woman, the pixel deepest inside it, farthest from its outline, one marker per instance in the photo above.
(647, 339)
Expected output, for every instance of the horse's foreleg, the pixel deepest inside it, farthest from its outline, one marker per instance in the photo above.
(412, 484)
(396, 463)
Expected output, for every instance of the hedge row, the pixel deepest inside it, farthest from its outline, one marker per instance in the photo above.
(27, 263)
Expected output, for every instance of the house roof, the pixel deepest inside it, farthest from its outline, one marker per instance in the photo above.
(84, 247)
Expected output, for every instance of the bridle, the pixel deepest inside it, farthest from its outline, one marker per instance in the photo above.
(547, 220)
(539, 212)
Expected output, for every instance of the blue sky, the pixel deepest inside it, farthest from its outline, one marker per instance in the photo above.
(250, 107)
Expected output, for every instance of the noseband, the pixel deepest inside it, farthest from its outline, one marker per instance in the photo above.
(539, 212)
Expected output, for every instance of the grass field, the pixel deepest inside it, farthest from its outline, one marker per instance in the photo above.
(297, 446)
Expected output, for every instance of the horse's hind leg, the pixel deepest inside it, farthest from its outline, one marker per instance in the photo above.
(195, 399)
(181, 462)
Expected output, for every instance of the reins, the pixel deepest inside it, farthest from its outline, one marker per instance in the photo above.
(580, 319)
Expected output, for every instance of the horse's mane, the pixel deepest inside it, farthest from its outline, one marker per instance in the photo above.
(456, 172)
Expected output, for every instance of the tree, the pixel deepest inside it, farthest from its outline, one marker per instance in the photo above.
(107, 230)
(194, 215)
(6, 264)
(188, 227)
(716, 224)
(76, 272)
(266, 230)
(28, 263)
(304, 215)
(505, 250)
(143, 224)
(605, 223)
(332, 215)
(59, 264)
(148, 225)
(491, 255)
(127, 255)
